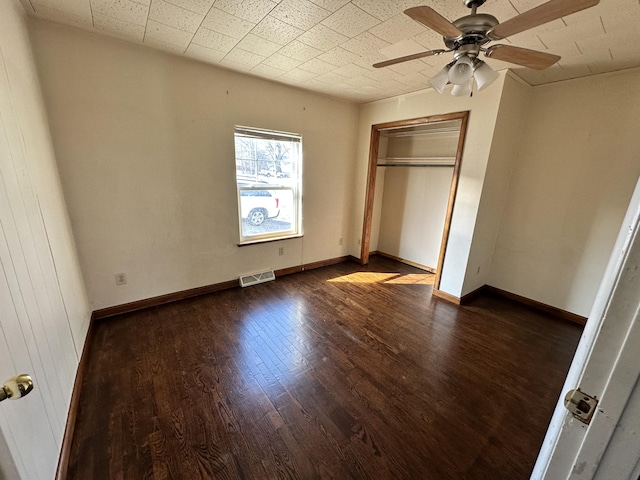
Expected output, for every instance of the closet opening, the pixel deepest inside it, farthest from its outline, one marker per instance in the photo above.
(414, 166)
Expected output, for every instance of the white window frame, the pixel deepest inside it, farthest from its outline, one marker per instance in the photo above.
(295, 187)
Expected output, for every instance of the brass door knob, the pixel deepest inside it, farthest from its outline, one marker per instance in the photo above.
(16, 387)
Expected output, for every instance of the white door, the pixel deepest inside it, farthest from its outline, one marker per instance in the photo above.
(607, 365)
(31, 426)
(35, 334)
(8, 470)
(24, 423)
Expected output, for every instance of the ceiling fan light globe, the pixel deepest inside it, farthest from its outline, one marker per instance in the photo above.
(440, 79)
(484, 75)
(461, 71)
(463, 90)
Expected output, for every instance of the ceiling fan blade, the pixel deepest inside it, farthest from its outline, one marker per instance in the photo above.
(542, 14)
(522, 56)
(428, 17)
(406, 58)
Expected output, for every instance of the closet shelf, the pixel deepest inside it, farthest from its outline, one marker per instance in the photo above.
(390, 133)
(417, 161)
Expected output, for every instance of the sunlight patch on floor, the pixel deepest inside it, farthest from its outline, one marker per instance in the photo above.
(365, 277)
(414, 279)
(379, 277)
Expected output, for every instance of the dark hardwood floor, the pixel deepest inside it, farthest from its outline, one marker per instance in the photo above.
(340, 372)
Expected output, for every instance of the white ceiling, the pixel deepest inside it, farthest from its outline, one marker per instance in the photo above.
(329, 45)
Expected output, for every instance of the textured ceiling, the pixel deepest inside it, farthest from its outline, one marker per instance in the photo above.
(329, 45)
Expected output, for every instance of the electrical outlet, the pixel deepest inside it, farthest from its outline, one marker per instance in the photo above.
(281, 251)
(121, 279)
(358, 241)
(341, 241)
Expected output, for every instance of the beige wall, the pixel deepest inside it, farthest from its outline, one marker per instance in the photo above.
(413, 212)
(577, 163)
(145, 148)
(484, 109)
(505, 149)
(44, 310)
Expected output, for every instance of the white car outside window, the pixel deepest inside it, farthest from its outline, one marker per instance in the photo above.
(258, 205)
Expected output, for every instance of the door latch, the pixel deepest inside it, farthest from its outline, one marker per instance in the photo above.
(16, 387)
(581, 405)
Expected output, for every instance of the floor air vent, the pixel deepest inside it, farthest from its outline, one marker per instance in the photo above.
(255, 278)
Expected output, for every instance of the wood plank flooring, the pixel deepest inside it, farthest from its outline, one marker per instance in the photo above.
(341, 372)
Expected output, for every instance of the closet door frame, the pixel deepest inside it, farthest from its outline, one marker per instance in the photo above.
(371, 181)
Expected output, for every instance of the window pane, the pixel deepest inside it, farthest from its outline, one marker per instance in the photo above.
(268, 166)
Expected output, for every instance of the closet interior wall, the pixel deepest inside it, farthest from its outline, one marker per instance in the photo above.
(415, 169)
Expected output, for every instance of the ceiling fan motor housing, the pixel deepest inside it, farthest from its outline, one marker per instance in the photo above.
(474, 28)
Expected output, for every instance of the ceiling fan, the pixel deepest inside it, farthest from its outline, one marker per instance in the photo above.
(468, 35)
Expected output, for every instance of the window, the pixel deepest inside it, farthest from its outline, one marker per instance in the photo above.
(268, 177)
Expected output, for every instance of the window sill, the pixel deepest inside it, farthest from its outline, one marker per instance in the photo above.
(269, 240)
